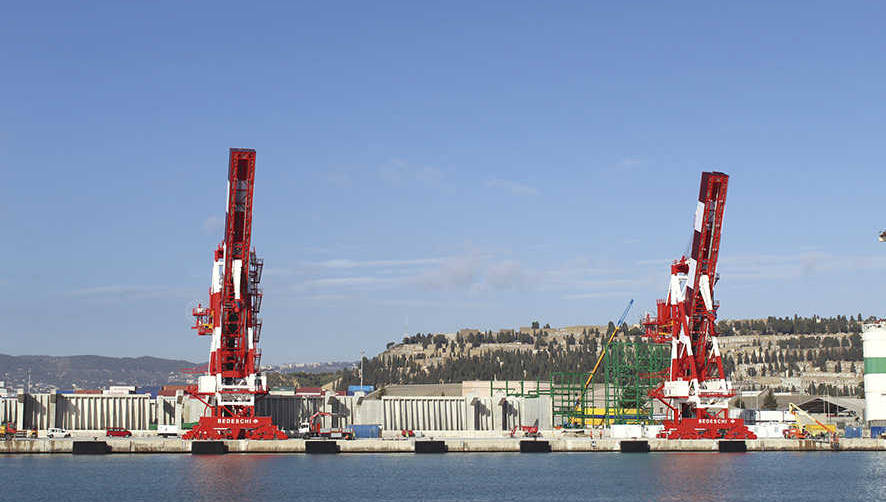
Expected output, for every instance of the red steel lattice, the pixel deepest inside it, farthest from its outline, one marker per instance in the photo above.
(233, 379)
(695, 390)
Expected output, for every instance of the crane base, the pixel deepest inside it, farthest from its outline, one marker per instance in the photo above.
(706, 428)
(217, 428)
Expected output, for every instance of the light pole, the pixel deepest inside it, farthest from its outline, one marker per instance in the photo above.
(361, 368)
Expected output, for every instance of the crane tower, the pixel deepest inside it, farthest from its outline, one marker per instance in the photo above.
(695, 389)
(233, 379)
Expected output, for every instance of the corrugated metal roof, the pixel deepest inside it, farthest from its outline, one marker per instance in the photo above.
(833, 405)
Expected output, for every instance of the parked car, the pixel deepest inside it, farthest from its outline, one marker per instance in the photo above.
(58, 432)
(119, 432)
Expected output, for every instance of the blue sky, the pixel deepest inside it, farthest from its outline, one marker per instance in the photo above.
(430, 166)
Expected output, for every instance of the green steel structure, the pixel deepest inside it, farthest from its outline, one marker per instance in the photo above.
(519, 388)
(619, 392)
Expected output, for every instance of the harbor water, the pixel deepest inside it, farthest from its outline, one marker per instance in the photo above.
(806, 476)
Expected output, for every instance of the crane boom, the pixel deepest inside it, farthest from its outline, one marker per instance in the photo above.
(233, 378)
(618, 325)
(799, 413)
(695, 389)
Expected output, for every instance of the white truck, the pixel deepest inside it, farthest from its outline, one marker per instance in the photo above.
(168, 431)
(57, 432)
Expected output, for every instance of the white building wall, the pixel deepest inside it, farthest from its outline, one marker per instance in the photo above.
(288, 411)
(874, 347)
(8, 407)
(97, 412)
(140, 412)
(424, 413)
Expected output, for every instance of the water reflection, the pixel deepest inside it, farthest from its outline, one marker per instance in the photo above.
(697, 476)
(233, 477)
(573, 477)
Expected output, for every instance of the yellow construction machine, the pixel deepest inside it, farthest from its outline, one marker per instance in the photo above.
(807, 426)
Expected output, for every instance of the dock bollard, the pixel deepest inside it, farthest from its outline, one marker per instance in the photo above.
(90, 448)
(636, 446)
(732, 446)
(322, 446)
(534, 446)
(430, 447)
(208, 448)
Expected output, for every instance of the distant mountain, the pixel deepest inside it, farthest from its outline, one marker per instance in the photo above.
(90, 372)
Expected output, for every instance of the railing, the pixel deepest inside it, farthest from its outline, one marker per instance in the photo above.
(256, 329)
(256, 265)
(256, 300)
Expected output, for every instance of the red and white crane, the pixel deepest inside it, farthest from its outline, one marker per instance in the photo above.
(233, 379)
(695, 389)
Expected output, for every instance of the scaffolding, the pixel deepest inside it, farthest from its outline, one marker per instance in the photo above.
(519, 388)
(619, 393)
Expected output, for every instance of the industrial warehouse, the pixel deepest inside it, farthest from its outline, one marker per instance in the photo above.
(471, 421)
(668, 391)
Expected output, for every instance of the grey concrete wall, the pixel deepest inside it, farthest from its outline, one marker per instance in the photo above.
(536, 411)
(192, 409)
(164, 410)
(392, 413)
(343, 409)
(171, 410)
(8, 409)
(511, 412)
(482, 414)
(96, 412)
(288, 412)
(37, 411)
(370, 411)
(499, 413)
(424, 413)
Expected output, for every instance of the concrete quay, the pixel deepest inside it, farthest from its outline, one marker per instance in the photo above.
(138, 445)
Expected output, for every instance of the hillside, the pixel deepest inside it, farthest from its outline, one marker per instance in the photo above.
(816, 355)
(89, 372)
